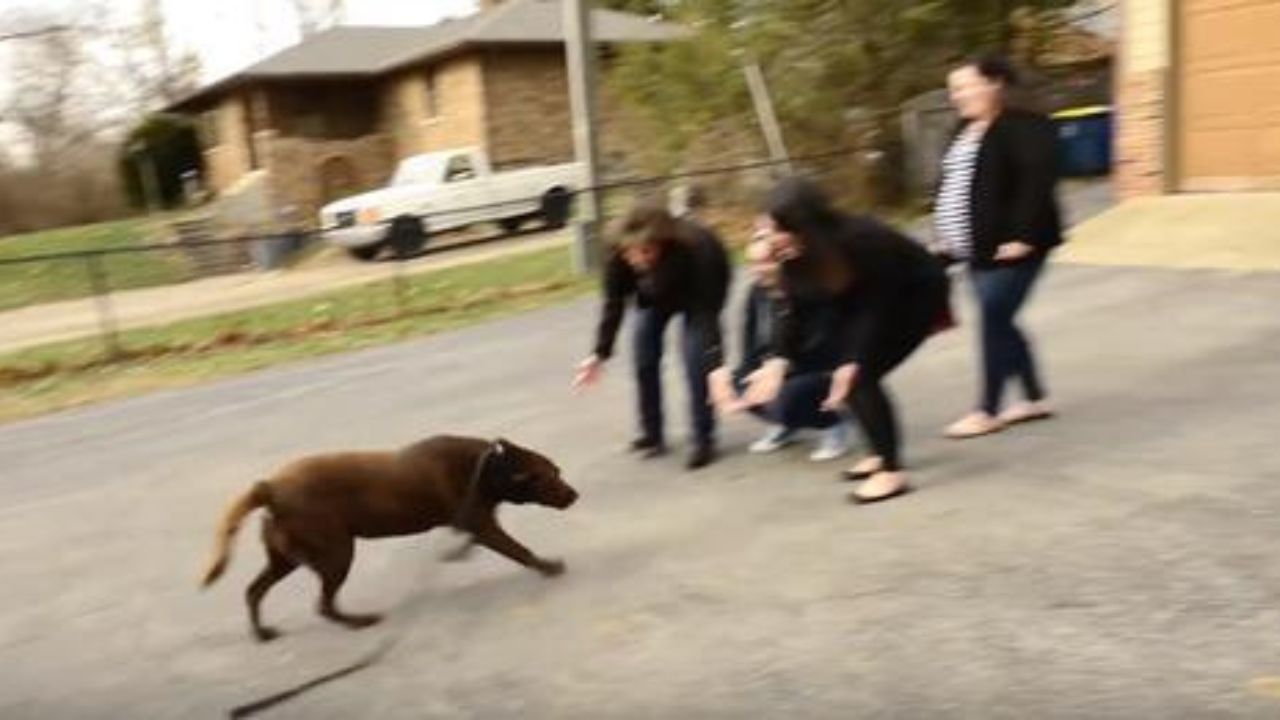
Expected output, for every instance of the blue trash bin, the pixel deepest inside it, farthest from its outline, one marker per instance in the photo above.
(1084, 141)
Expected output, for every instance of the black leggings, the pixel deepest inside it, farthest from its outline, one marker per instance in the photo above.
(910, 324)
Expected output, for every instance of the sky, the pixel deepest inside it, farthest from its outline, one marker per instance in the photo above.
(227, 35)
(231, 34)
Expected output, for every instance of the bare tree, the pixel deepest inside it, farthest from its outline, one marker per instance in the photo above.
(43, 101)
(29, 34)
(154, 71)
(317, 15)
(61, 169)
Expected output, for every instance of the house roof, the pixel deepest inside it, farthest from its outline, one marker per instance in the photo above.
(356, 52)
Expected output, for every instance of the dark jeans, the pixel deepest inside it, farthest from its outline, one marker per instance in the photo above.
(650, 331)
(799, 403)
(913, 320)
(1006, 353)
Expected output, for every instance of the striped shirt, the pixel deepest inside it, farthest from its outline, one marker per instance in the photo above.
(952, 211)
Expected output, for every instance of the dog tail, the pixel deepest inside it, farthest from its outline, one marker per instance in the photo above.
(256, 497)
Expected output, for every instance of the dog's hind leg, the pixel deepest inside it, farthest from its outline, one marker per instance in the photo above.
(279, 565)
(332, 565)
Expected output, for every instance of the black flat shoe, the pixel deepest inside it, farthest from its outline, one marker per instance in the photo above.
(653, 451)
(701, 457)
(642, 444)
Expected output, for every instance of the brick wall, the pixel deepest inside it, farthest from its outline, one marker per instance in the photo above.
(1140, 139)
(1142, 120)
(527, 97)
(227, 160)
(298, 168)
(459, 113)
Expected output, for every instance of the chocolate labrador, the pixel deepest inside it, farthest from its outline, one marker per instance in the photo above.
(317, 506)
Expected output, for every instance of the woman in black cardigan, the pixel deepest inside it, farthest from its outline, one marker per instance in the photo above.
(889, 294)
(996, 210)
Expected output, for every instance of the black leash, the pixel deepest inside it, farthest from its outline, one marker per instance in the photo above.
(271, 701)
(495, 450)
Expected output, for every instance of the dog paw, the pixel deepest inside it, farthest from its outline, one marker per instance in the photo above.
(552, 568)
(266, 634)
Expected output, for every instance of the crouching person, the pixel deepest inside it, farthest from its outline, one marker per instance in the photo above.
(798, 406)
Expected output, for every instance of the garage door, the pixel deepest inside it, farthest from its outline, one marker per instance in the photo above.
(1228, 131)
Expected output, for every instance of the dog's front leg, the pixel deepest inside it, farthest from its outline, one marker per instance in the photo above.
(492, 536)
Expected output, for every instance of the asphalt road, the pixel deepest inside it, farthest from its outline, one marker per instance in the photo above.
(1115, 563)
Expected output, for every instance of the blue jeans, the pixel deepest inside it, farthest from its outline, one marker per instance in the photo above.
(650, 331)
(1006, 353)
(799, 403)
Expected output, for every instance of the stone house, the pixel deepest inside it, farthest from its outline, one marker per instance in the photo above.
(1198, 93)
(333, 115)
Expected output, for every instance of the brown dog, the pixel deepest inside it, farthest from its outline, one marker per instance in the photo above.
(318, 506)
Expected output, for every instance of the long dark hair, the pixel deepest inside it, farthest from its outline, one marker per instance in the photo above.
(798, 206)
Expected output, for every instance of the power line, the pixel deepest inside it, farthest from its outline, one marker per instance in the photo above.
(29, 34)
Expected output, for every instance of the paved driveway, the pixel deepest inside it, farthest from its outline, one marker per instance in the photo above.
(1117, 563)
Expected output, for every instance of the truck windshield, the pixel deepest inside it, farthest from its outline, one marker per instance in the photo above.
(417, 170)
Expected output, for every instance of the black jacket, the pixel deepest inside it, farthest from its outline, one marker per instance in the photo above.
(814, 325)
(866, 269)
(691, 278)
(1014, 187)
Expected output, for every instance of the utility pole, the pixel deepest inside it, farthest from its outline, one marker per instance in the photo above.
(580, 54)
(767, 116)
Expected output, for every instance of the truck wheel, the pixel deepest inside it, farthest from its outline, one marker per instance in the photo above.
(511, 226)
(556, 204)
(406, 236)
(367, 253)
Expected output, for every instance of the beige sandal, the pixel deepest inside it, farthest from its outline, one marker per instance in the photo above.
(897, 483)
(865, 468)
(975, 424)
(1026, 412)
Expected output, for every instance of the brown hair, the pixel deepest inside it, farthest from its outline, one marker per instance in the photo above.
(646, 223)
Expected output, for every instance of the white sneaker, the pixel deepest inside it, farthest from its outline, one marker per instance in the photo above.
(774, 440)
(834, 444)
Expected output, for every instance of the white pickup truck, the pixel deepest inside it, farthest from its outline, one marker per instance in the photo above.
(443, 191)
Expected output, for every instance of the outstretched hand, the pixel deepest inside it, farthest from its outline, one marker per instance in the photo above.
(589, 372)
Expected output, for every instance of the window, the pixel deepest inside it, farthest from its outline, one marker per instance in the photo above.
(431, 99)
(459, 169)
(311, 125)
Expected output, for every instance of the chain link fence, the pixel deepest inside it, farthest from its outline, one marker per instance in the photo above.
(198, 294)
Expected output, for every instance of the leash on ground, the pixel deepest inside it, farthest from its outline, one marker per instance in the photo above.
(384, 647)
(266, 703)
